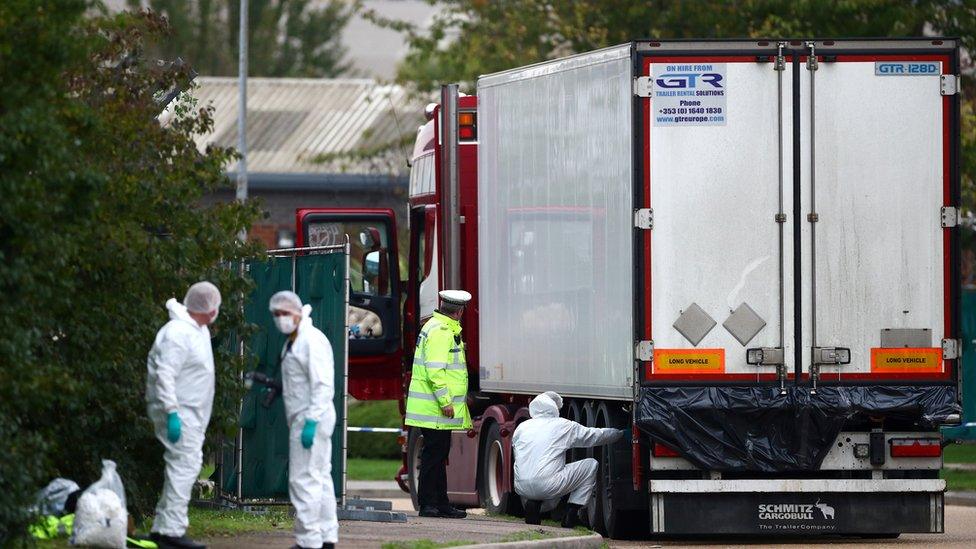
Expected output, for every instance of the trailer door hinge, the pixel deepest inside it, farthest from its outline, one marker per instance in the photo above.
(951, 349)
(644, 218)
(950, 216)
(642, 86)
(644, 351)
(949, 84)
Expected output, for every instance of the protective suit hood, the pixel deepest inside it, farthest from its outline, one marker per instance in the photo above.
(543, 407)
(178, 311)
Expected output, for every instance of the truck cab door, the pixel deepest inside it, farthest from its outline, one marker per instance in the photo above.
(375, 349)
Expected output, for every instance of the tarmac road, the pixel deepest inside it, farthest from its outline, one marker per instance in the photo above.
(960, 532)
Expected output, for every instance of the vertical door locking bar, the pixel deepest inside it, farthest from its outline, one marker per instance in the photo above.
(780, 67)
(813, 217)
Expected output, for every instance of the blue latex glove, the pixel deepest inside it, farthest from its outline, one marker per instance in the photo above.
(173, 427)
(308, 433)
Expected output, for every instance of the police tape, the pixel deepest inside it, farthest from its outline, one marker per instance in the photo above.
(372, 430)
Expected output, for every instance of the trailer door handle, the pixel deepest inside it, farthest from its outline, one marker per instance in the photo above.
(831, 355)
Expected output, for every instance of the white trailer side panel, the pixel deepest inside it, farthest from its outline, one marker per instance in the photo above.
(555, 225)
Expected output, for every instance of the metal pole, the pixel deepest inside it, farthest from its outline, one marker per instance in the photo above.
(242, 195)
(451, 221)
(242, 108)
(345, 387)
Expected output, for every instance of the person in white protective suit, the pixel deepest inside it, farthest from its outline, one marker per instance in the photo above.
(307, 378)
(179, 399)
(542, 475)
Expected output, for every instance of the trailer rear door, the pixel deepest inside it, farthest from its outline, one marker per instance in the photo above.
(876, 140)
(798, 217)
(717, 184)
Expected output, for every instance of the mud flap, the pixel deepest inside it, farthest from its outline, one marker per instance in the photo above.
(807, 513)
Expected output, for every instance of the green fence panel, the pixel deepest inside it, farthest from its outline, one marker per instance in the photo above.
(968, 333)
(320, 282)
(967, 330)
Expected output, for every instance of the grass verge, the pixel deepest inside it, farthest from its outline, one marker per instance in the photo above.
(372, 469)
(522, 535)
(959, 453)
(959, 480)
(208, 523)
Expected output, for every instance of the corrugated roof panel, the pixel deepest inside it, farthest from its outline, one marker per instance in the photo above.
(293, 120)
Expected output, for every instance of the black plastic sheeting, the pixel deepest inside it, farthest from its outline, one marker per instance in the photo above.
(722, 428)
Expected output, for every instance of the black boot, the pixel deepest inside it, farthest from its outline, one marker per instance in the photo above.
(448, 511)
(571, 516)
(170, 542)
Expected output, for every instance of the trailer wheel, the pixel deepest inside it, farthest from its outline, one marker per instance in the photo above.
(614, 463)
(415, 443)
(594, 510)
(574, 412)
(492, 492)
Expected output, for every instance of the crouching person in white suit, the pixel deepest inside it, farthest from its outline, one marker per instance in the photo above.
(541, 473)
(307, 374)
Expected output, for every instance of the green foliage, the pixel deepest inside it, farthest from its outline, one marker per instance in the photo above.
(380, 413)
(469, 38)
(299, 38)
(99, 225)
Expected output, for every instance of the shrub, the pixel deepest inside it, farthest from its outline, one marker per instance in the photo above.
(99, 225)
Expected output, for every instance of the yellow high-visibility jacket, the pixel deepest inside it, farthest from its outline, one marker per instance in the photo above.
(440, 377)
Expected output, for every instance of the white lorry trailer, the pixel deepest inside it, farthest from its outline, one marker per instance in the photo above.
(747, 251)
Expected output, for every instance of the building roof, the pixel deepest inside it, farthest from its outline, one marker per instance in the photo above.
(313, 125)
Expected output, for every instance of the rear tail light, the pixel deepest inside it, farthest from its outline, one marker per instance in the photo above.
(663, 451)
(467, 126)
(916, 447)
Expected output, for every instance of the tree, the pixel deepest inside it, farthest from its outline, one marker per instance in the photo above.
(99, 225)
(295, 38)
(473, 37)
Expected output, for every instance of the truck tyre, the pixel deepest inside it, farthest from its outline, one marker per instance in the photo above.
(415, 442)
(618, 523)
(493, 494)
(594, 511)
(574, 412)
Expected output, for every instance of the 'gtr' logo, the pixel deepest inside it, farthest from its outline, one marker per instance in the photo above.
(689, 79)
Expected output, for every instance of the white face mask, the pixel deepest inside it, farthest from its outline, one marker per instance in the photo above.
(285, 324)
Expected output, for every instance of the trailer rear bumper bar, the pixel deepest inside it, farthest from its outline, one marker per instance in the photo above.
(797, 485)
(797, 507)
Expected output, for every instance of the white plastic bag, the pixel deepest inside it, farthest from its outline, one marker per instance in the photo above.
(101, 519)
(51, 500)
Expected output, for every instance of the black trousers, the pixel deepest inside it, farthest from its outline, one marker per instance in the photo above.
(432, 484)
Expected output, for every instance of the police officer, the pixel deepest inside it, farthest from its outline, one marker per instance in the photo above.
(436, 400)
